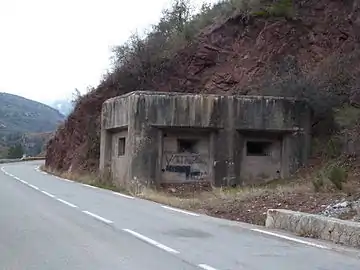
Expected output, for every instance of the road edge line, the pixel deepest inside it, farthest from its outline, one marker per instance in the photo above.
(97, 217)
(290, 238)
(206, 267)
(123, 195)
(47, 194)
(180, 211)
(67, 203)
(151, 241)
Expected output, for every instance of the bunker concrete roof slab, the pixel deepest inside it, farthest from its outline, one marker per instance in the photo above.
(175, 109)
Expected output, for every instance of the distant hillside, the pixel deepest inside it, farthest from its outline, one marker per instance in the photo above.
(26, 122)
(64, 106)
(34, 144)
(18, 114)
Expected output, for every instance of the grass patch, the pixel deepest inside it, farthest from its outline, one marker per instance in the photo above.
(85, 178)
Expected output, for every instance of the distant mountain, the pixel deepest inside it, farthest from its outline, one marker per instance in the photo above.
(18, 114)
(26, 122)
(64, 106)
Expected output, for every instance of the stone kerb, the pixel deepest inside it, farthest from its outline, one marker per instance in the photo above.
(309, 225)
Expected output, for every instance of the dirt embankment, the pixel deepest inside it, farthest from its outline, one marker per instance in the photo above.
(233, 55)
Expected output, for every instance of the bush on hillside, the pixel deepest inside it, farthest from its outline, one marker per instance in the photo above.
(279, 8)
(326, 90)
(136, 62)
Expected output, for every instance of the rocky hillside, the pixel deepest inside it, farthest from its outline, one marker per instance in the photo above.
(305, 48)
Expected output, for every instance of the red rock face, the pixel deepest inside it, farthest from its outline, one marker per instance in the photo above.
(227, 57)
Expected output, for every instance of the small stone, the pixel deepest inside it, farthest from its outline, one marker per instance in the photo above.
(342, 205)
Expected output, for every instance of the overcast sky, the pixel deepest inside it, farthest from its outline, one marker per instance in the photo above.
(50, 47)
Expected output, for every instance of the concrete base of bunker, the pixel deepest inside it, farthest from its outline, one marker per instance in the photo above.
(174, 138)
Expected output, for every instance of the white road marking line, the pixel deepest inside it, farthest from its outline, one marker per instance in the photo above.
(150, 241)
(11, 175)
(123, 195)
(44, 172)
(86, 185)
(180, 211)
(24, 182)
(290, 238)
(48, 194)
(98, 217)
(67, 203)
(34, 187)
(3, 170)
(206, 267)
(17, 178)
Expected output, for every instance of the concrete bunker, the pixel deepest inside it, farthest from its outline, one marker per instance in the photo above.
(175, 138)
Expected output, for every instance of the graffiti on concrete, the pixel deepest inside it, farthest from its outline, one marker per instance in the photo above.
(193, 166)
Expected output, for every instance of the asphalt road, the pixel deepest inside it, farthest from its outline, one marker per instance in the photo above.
(51, 223)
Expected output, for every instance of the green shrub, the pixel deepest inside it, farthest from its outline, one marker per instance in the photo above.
(337, 176)
(331, 175)
(333, 147)
(347, 116)
(318, 183)
(280, 8)
(326, 147)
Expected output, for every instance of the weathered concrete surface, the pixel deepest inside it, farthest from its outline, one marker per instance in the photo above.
(325, 228)
(222, 126)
